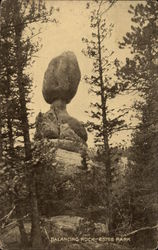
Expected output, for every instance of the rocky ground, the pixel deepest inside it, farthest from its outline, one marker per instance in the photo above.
(62, 232)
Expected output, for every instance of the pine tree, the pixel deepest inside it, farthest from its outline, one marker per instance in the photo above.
(17, 51)
(140, 76)
(104, 121)
(9, 130)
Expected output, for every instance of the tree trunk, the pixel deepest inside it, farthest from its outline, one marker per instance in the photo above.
(35, 230)
(23, 234)
(9, 123)
(24, 239)
(1, 147)
(36, 233)
(105, 134)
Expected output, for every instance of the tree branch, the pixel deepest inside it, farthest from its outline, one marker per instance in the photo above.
(8, 215)
(139, 230)
(113, 1)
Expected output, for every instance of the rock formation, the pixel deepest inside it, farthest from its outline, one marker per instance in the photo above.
(65, 133)
(60, 84)
(61, 78)
(63, 139)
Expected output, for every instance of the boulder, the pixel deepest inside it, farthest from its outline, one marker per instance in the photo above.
(63, 225)
(61, 78)
(100, 229)
(46, 126)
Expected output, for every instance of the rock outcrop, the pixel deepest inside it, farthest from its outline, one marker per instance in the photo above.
(63, 139)
(57, 123)
(62, 136)
(60, 85)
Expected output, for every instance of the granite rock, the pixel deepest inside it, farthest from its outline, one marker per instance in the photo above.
(60, 84)
(69, 163)
(57, 123)
(61, 78)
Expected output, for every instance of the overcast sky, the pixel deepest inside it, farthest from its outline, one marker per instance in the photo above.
(73, 24)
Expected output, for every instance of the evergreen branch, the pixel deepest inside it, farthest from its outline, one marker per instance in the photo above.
(99, 7)
(124, 129)
(6, 217)
(139, 230)
(28, 39)
(105, 11)
(26, 23)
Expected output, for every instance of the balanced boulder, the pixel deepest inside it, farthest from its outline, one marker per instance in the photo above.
(61, 78)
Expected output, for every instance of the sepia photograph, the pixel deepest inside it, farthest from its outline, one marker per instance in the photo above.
(79, 125)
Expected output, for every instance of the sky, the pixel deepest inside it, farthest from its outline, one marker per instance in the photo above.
(73, 24)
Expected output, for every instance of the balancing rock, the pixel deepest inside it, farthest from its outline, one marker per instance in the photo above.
(60, 85)
(61, 78)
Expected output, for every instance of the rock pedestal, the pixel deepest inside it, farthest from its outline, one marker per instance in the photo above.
(57, 123)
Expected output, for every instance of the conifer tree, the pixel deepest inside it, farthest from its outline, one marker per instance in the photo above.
(140, 76)
(17, 50)
(104, 121)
